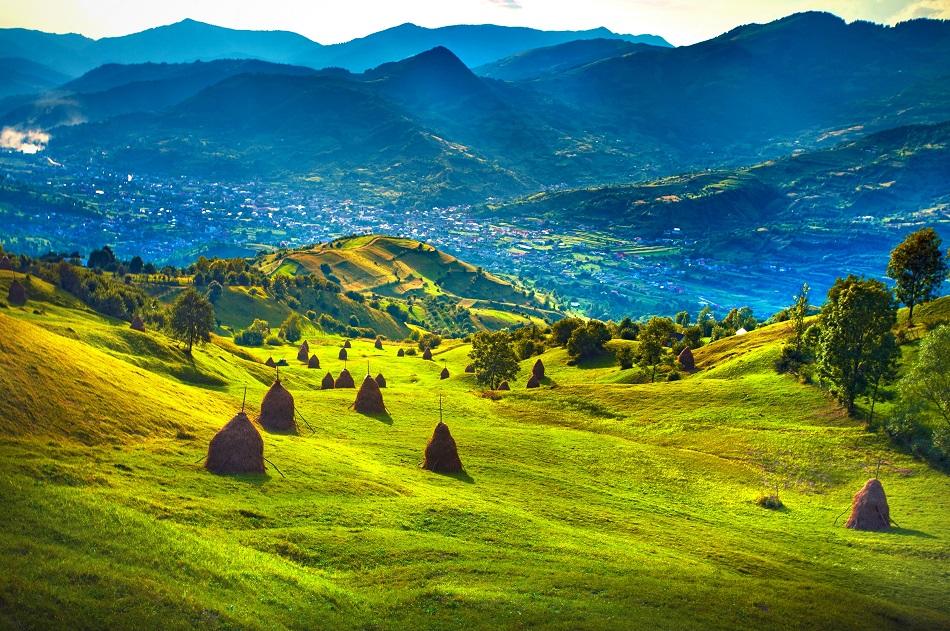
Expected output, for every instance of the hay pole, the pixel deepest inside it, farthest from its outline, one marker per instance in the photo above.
(835, 522)
(275, 467)
(301, 417)
(244, 400)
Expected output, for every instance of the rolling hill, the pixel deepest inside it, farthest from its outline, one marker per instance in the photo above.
(551, 60)
(582, 504)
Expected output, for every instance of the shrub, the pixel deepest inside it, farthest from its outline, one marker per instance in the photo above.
(273, 340)
(253, 335)
(771, 502)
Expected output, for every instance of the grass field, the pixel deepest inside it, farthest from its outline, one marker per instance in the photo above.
(586, 504)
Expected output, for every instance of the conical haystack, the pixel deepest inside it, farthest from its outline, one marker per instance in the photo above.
(369, 399)
(236, 448)
(686, 359)
(427, 354)
(16, 295)
(6, 263)
(342, 354)
(538, 369)
(533, 382)
(345, 380)
(504, 386)
(378, 344)
(470, 368)
(869, 509)
(270, 362)
(381, 380)
(327, 383)
(304, 353)
(314, 362)
(401, 352)
(137, 323)
(277, 410)
(441, 454)
(444, 374)
(347, 344)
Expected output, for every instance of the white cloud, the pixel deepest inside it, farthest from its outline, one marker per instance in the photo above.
(28, 141)
(506, 4)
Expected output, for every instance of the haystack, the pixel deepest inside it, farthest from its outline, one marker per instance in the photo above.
(427, 354)
(442, 455)
(342, 354)
(401, 352)
(686, 359)
(270, 362)
(327, 383)
(869, 509)
(538, 369)
(380, 380)
(137, 323)
(347, 344)
(6, 263)
(534, 382)
(369, 399)
(277, 410)
(345, 380)
(304, 353)
(504, 386)
(444, 374)
(470, 368)
(314, 362)
(378, 343)
(236, 448)
(16, 295)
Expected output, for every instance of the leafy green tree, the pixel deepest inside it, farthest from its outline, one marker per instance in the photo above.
(918, 268)
(429, 341)
(682, 318)
(192, 319)
(799, 313)
(706, 320)
(562, 329)
(855, 343)
(253, 335)
(290, 328)
(654, 336)
(588, 340)
(624, 357)
(101, 259)
(136, 264)
(493, 358)
(693, 336)
(928, 380)
(215, 289)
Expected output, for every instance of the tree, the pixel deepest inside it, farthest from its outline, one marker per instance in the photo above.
(290, 328)
(588, 340)
(855, 342)
(562, 329)
(655, 335)
(682, 318)
(215, 289)
(493, 358)
(136, 264)
(928, 380)
(918, 268)
(624, 357)
(799, 313)
(706, 320)
(101, 259)
(253, 335)
(192, 319)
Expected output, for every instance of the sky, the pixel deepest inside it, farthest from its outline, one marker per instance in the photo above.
(330, 21)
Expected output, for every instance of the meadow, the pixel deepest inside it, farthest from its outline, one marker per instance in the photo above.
(586, 503)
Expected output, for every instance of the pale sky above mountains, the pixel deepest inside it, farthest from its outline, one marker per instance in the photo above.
(331, 21)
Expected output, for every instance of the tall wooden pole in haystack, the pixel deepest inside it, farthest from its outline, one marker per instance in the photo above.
(244, 400)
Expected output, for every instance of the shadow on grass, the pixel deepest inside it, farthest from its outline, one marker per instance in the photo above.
(604, 360)
(462, 476)
(907, 532)
(382, 417)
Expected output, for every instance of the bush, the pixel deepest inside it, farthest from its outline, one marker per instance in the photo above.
(253, 335)
(673, 375)
(771, 502)
(624, 357)
(273, 340)
(411, 351)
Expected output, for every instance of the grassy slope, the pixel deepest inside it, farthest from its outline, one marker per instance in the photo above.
(587, 505)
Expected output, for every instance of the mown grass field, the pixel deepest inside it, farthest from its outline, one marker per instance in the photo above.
(586, 504)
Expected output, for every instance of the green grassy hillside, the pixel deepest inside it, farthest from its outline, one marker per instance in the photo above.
(585, 504)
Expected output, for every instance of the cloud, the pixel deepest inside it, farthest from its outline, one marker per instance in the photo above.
(28, 141)
(506, 4)
(939, 9)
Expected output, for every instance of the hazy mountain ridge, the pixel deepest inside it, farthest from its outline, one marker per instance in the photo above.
(190, 40)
